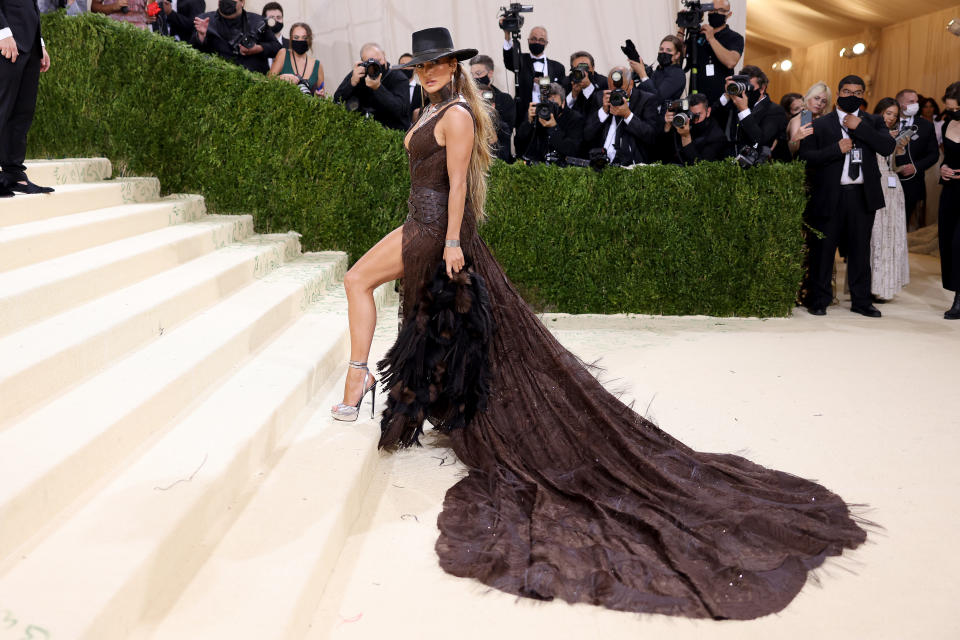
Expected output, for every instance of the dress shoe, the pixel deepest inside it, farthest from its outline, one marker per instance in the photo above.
(879, 300)
(817, 311)
(869, 310)
(953, 313)
(25, 186)
(5, 192)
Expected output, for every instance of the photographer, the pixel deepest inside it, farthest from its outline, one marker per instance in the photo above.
(748, 116)
(235, 35)
(687, 140)
(718, 49)
(376, 90)
(533, 64)
(550, 129)
(481, 68)
(295, 65)
(668, 81)
(175, 18)
(921, 153)
(625, 126)
(584, 86)
(275, 10)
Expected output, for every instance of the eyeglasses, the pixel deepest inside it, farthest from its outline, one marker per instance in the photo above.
(537, 40)
(723, 12)
(846, 93)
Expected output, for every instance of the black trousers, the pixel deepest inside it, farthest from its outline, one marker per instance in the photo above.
(851, 226)
(949, 229)
(18, 100)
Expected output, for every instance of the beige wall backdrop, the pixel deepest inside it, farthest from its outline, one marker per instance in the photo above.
(598, 26)
(919, 53)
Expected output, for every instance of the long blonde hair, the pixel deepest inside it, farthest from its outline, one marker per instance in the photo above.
(484, 136)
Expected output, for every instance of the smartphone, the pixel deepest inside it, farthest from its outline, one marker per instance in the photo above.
(806, 117)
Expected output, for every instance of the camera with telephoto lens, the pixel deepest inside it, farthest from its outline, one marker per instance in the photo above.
(738, 86)
(753, 156)
(373, 68)
(617, 97)
(487, 95)
(512, 20)
(304, 87)
(692, 16)
(682, 115)
(581, 71)
(248, 40)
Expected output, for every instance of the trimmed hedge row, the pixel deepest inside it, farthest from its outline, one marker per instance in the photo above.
(710, 239)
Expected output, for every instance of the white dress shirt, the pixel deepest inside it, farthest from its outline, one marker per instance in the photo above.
(539, 64)
(609, 145)
(586, 94)
(845, 174)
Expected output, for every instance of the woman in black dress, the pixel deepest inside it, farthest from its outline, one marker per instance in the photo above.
(570, 493)
(949, 215)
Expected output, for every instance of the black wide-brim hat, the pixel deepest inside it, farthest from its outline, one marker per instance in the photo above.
(433, 44)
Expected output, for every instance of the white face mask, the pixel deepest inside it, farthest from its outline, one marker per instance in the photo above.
(911, 109)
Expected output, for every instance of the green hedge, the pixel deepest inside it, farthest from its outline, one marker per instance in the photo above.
(710, 239)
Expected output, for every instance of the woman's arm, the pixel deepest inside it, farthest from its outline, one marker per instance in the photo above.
(320, 89)
(278, 63)
(456, 130)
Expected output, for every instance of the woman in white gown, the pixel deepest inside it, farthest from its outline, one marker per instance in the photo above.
(889, 258)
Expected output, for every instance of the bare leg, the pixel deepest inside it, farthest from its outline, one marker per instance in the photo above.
(382, 263)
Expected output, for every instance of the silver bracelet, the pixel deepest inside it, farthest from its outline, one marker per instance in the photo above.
(451, 243)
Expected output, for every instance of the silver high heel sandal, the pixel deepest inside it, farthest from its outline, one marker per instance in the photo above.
(350, 412)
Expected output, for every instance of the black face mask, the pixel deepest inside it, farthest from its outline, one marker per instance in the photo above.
(716, 20)
(299, 46)
(408, 73)
(949, 115)
(849, 104)
(228, 7)
(537, 49)
(483, 81)
(664, 59)
(277, 27)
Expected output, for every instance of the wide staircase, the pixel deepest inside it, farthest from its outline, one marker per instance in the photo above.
(165, 379)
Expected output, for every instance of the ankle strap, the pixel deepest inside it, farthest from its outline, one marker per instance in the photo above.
(355, 364)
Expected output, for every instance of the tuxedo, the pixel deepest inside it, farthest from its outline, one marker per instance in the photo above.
(585, 104)
(764, 123)
(635, 136)
(844, 213)
(389, 105)
(19, 82)
(708, 143)
(554, 70)
(924, 152)
(534, 141)
(506, 121)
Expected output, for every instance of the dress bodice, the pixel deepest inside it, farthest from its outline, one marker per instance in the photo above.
(951, 152)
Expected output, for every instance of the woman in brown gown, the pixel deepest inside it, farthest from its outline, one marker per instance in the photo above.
(570, 493)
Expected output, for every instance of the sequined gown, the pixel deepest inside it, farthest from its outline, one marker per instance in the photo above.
(573, 495)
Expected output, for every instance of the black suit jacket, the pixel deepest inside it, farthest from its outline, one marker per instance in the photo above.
(221, 32)
(22, 17)
(924, 153)
(533, 140)
(555, 70)
(180, 22)
(825, 161)
(708, 143)
(506, 122)
(766, 124)
(635, 140)
(390, 104)
(583, 105)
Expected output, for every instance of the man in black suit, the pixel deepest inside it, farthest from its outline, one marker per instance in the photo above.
(23, 57)
(845, 193)
(585, 91)
(751, 119)
(481, 68)
(560, 134)
(218, 32)
(384, 97)
(533, 64)
(275, 10)
(700, 139)
(922, 153)
(625, 125)
(177, 20)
